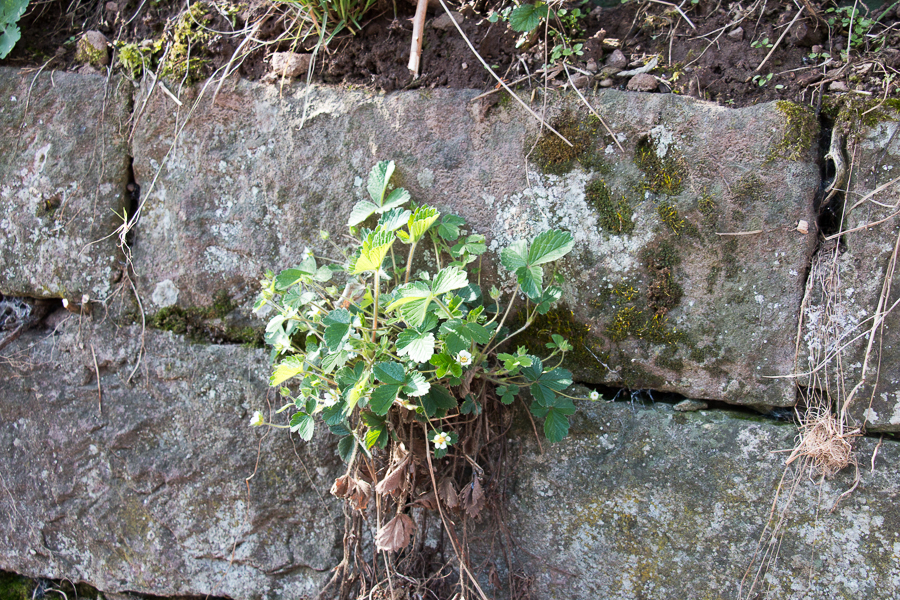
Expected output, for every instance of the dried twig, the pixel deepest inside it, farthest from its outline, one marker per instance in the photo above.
(415, 51)
(97, 372)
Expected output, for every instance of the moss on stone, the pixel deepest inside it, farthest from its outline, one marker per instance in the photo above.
(15, 587)
(188, 35)
(556, 157)
(613, 216)
(559, 320)
(747, 191)
(663, 175)
(668, 214)
(800, 134)
(197, 322)
(860, 112)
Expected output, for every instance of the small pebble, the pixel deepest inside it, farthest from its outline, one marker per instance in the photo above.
(617, 60)
(838, 86)
(736, 34)
(643, 82)
(607, 83)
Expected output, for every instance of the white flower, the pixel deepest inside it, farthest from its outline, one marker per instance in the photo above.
(464, 358)
(331, 398)
(594, 396)
(257, 420)
(441, 440)
(307, 253)
(313, 312)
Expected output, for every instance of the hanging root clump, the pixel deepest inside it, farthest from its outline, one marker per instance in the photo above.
(409, 519)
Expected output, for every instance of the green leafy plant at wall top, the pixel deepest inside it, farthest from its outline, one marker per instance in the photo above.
(10, 13)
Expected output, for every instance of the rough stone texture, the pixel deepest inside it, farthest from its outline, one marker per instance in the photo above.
(245, 189)
(843, 301)
(148, 493)
(665, 505)
(63, 172)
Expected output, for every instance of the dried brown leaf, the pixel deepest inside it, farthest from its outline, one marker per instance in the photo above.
(394, 479)
(472, 498)
(396, 534)
(447, 491)
(427, 501)
(359, 495)
(342, 486)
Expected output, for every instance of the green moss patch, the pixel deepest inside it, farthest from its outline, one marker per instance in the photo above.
(860, 112)
(800, 134)
(198, 323)
(613, 215)
(663, 175)
(556, 157)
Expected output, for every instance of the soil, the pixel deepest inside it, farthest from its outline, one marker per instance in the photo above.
(718, 51)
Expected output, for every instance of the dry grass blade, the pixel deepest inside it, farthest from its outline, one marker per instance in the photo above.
(821, 439)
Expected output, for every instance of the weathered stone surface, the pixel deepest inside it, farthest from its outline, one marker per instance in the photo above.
(63, 172)
(145, 489)
(245, 189)
(659, 504)
(841, 339)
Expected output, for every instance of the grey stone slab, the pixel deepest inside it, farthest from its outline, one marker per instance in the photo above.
(63, 172)
(851, 331)
(160, 486)
(652, 503)
(248, 182)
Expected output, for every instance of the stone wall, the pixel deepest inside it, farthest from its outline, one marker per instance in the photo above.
(128, 462)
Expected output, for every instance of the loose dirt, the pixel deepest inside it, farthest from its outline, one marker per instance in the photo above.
(735, 54)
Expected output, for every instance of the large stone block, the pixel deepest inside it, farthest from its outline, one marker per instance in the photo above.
(63, 174)
(652, 503)
(658, 298)
(851, 322)
(158, 485)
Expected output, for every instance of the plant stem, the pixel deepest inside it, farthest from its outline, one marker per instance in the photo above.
(375, 311)
(412, 249)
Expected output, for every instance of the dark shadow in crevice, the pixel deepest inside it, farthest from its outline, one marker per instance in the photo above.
(646, 398)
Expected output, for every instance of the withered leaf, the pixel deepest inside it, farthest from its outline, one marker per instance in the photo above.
(448, 494)
(342, 486)
(472, 498)
(394, 479)
(427, 501)
(396, 534)
(359, 495)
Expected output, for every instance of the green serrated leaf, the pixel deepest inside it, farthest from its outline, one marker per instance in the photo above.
(304, 425)
(377, 437)
(514, 256)
(556, 426)
(416, 385)
(527, 17)
(290, 367)
(449, 227)
(374, 248)
(549, 246)
(345, 447)
(396, 198)
(378, 180)
(449, 279)
(290, 277)
(389, 372)
(394, 219)
(530, 280)
(419, 347)
(383, 397)
(361, 211)
(420, 222)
